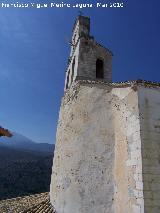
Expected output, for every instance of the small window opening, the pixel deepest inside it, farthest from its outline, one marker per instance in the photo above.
(67, 79)
(73, 65)
(99, 69)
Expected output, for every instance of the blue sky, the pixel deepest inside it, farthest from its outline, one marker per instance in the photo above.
(34, 53)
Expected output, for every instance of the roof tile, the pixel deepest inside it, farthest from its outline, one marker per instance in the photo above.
(38, 203)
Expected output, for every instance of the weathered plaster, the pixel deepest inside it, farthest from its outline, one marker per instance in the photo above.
(98, 159)
(128, 159)
(82, 179)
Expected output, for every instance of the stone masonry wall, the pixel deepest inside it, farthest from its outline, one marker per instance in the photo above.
(149, 105)
(85, 55)
(90, 50)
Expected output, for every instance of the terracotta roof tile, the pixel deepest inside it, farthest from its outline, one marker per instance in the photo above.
(38, 203)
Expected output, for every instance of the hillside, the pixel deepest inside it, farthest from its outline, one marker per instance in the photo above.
(25, 167)
(23, 173)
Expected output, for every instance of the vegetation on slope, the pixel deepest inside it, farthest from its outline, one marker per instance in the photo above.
(24, 172)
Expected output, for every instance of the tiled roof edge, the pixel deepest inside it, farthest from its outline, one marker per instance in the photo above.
(24, 196)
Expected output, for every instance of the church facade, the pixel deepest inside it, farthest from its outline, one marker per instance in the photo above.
(107, 156)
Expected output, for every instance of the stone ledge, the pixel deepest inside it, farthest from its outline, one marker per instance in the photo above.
(138, 82)
(72, 91)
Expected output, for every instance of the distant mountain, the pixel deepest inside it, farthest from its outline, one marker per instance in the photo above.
(20, 142)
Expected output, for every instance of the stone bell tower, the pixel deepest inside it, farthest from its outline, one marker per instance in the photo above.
(88, 59)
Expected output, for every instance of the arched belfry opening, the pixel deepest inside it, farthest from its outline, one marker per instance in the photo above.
(99, 69)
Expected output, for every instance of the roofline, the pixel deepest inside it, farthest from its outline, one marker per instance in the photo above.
(138, 82)
(108, 50)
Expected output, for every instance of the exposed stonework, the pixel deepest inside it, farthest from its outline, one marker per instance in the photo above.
(83, 46)
(128, 159)
(149, 107)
